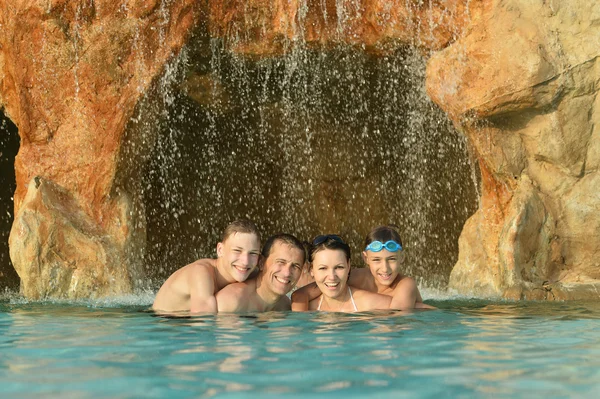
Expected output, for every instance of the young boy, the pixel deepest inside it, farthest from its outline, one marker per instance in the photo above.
(193, 287)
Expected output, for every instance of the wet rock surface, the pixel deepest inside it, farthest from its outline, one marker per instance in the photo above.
(60, 252)
(80, 82)
(520, 80)
(522, 84)
(72, 74)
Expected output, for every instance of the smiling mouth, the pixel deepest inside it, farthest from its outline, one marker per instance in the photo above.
(242, 269)
(282, 280)
(385, 276)
(332, 285)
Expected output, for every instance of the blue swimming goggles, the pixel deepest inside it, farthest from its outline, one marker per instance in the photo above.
(377, 246)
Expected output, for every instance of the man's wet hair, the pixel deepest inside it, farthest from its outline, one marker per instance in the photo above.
(283, 238)
(240, 226)
(384, 233)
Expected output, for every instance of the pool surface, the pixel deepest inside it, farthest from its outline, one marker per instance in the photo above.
(468, 348)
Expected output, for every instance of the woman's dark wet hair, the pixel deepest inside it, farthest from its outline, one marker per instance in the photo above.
(383, 234)
(330, 241)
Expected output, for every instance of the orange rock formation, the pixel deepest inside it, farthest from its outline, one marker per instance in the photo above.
(71, 75)
(522, 84)
(519, 79)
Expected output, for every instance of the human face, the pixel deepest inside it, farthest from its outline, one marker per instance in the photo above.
(384, 265)
(239, 254)
(282, 268)
(330, 269)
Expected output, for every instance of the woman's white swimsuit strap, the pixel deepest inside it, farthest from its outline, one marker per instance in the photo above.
(351, 298)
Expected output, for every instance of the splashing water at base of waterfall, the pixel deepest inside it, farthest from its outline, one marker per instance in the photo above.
(145, 298)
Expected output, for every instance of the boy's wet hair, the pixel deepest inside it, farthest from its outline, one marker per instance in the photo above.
(240, 226)
(383, 234)
(285, 239)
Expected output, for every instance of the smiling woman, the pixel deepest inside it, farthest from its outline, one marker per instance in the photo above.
(384, 257)
(330, 267)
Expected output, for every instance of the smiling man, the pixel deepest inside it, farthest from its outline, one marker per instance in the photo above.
(280, 268)
(193, 287)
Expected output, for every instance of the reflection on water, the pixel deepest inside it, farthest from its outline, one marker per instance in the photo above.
(466, 349)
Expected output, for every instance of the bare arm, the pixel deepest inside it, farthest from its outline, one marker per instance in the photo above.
(405, 294)
(230, 299)
(379, 301)
(366, 300)
(302, 296)
(202, 291)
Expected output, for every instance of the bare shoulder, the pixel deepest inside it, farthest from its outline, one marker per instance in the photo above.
(209, 262)
(359, 277)
(409, 284)
(189, 288)
(406, 283)
(201, 268)
(201, 265)
(234, 297)
(406, 294)
(201, 271)
(306, 293)
(314, 304)
(359, 293)
(235, 289)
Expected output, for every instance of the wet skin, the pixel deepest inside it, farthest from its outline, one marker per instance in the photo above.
(238, 256)
(193, 287)
(278, 275)
(330, 270)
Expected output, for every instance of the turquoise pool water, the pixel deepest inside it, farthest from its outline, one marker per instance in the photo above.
(468, 348)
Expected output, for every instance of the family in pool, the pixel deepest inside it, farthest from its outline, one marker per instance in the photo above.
(245, 279)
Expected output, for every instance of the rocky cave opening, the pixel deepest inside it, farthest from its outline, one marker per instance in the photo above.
(308, 142)
(9, 145)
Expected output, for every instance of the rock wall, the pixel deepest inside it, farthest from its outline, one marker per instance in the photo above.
(522, 84)
(262, 27)
(72, 74)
